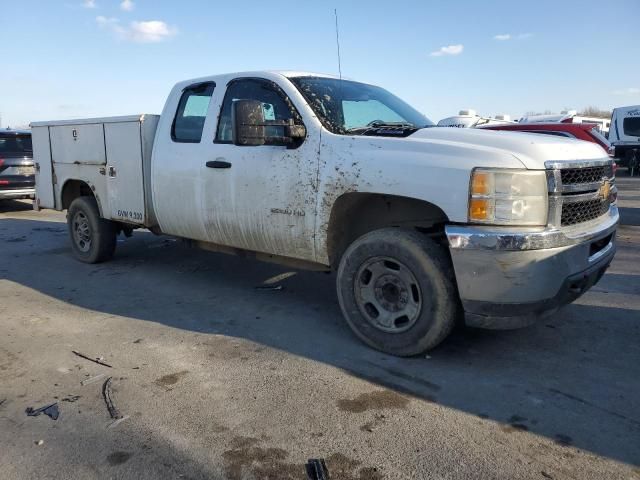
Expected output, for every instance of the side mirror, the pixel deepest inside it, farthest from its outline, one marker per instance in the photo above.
(250, 127)
(247, 118)
(296, 132)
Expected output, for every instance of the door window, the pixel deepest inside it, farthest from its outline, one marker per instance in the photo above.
(188, 123)
(631, 126)
(275, 106)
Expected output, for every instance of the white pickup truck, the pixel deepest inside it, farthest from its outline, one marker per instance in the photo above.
(424, 226)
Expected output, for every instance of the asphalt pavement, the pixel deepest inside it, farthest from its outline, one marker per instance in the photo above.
(216, 379)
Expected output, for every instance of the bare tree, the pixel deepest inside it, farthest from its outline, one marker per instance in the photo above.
(593, 111)
(532, 113)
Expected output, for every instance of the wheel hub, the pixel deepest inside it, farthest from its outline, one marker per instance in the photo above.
(388, 295)
(391, 292)
(81, 232)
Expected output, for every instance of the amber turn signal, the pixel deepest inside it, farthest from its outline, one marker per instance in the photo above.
(480, 183)
(478, 209)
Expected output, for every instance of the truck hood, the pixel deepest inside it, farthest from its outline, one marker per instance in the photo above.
(531, 149)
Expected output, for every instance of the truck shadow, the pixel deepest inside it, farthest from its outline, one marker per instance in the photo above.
(630, 216)
(14, 206)
(572, 378)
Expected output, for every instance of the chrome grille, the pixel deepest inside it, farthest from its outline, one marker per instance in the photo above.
(579, 191)
(574, 176)
(578, 212)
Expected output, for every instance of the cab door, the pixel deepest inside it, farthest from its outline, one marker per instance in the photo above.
(261, 198)
(182, 144)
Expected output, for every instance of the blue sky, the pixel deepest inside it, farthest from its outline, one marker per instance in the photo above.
(77, 58)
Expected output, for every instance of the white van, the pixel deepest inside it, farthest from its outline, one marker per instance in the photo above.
(625, 136)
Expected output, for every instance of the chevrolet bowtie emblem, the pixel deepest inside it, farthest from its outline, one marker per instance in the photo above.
(604, 189)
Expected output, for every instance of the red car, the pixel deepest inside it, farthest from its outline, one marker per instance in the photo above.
(582, 131)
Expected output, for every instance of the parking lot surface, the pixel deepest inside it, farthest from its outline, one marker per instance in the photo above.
(219, 380)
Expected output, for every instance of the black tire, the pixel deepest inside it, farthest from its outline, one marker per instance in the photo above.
(425, 318)
(93, 239)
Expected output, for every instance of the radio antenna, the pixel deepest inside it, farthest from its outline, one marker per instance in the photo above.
(335, 11)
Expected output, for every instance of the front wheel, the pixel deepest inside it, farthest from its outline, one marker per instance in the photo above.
(396, 290)
(93, 239)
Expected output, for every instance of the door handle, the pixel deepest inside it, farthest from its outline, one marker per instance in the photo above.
(218, 164)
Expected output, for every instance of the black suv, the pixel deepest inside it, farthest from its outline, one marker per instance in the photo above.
(17, 175)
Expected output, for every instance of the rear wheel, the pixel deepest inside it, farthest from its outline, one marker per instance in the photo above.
(396, 291)
(93, 239)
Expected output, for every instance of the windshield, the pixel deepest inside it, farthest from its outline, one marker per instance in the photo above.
(20, 144)
(347, 107)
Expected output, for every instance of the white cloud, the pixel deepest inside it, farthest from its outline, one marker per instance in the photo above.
(507, 36)
(107, 22)
(89, 4)
(627, 91)
(127, 5)
(448, 50)
(151, 31)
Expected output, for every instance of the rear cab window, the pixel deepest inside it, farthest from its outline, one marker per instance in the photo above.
(191, 114)
(15, 145)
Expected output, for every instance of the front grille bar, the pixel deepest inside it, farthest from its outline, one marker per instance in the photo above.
(571, 201)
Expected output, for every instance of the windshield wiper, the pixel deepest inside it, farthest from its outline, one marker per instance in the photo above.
(391, 124)
(395, 127)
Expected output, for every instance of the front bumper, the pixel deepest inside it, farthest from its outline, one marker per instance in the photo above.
(507, 277)
(17, 193)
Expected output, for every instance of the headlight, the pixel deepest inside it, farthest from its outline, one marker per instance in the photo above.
(508, 197)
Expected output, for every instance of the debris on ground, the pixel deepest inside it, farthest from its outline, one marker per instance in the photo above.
(278, 278)
(97, 360)
(317, 469)
(2, 401)
(39, 442)
(269, 287)
(117, 422)
(114, 413)
(72, 398)
(51, 411)
(108, 399)
(91, 380)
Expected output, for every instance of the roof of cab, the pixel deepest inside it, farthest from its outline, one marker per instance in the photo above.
(295, 73)
(268, 74)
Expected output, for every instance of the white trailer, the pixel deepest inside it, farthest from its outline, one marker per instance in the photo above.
(625, 136)
(471, 119)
